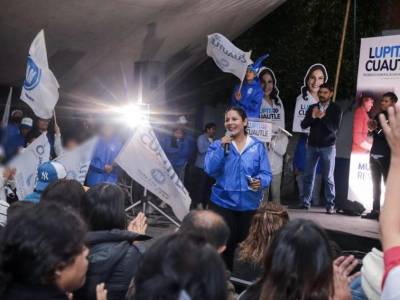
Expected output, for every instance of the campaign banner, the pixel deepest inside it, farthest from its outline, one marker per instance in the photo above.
(27, 163)
(77, 161)
(378, 73)
(315, 76)
(260, 129)
(227, 56)
(144, 161)
(40, 90)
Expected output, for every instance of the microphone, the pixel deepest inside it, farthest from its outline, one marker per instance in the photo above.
(226, 146)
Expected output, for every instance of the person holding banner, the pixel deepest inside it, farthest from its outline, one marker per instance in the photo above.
(315, 76)
(249, 94)
(272, 110)
(239, 163)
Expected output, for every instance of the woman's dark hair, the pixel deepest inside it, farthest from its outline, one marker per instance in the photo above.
(241, 112)
(314, 67)
(391, 95)
(38, 242)
(298, 264)
(275, 92)
(179, 264)
(66, 192)
(103, 207)
(364, 98)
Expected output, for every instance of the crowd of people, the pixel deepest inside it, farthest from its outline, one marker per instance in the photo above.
(67, 240)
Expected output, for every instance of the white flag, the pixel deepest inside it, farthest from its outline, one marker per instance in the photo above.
(27, 163)
(145, 161)
(6, 113)
(227, 56)
(40, 90)
(77, 161)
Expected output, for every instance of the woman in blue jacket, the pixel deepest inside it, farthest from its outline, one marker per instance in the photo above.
(241, 174)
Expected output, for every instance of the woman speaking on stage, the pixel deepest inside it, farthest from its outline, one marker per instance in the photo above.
(239, 163)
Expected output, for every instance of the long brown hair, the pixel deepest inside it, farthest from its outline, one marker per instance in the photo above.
(269, 218)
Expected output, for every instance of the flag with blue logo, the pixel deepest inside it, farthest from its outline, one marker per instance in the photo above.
(40, 90)
(227, 56)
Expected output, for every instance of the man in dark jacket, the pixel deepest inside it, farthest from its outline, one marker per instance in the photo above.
(323, 118)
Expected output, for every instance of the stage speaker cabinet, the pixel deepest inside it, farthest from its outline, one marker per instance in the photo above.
(149, 77)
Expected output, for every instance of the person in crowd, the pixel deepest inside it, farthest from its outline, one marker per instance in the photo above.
(290, 272)
(26, 127)
(102, 168)
(6, 175)
(299, 165)
(213, 229)
(42, 254)
(65, 192)
(13, 140)
(113, 256)
(390, 215)
(361, 141)
(250, 95)
(379, 160)
(204, 182)
(178, 147)
(240, 166)
(315, 76)
(208, 225)
(180, 266)
(273, 111)
(323, 119)
(268, 219)
(47, 173)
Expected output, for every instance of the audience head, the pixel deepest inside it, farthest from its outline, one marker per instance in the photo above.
(66, 192)
(16, 116)
(180, 266)
(366, 102)
(298, 264)
(26, 126)
(210, 129)
(42, 124)
(268, 219)
(388, 99)
(44, 245)
(208, 225)
(49, 172)
(103, 207)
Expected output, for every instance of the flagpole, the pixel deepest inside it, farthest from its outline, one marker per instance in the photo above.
(339, 63)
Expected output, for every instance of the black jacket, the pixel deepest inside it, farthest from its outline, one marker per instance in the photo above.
(323, 131)
(379, 144)
(113, 259)
(42, 292)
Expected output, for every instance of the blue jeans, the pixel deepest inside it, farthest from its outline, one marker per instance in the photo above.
(327, 156)
(357, 292)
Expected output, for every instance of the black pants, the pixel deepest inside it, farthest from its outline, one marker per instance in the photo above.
(203, 187)
(379, 168)
(239, 223)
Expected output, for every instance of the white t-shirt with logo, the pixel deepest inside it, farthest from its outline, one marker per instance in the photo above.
(300, 111)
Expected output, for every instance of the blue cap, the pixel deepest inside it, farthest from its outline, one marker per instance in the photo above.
(47, 173)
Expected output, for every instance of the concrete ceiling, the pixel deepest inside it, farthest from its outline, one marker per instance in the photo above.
(92, 44)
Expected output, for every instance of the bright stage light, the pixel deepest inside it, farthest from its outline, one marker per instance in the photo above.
(133, 115)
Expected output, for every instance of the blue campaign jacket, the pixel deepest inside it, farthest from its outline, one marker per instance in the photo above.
(105, 153)
(178, 151)
(231, 189)
(252, 95)
(13, 140)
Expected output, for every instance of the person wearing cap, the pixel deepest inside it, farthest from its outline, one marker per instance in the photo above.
(47, 173)
(26, 126)
(13, 139)
(250, 95)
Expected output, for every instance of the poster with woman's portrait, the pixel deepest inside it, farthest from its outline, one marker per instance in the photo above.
(315, 76)
(272, 108)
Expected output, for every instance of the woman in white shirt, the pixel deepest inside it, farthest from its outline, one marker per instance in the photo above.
(272, 110)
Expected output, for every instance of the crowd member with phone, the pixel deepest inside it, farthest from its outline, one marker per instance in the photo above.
(239, 163)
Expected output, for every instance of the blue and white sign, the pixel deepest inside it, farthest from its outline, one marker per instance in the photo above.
(227, 56)
(40, 90)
